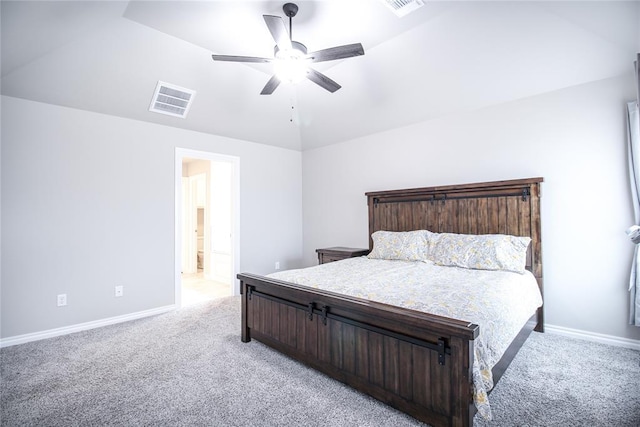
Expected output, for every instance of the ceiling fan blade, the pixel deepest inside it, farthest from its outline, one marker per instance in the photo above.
(322, 80)
(278, 31)
(338, 52)
(271, 85)
(239, 58)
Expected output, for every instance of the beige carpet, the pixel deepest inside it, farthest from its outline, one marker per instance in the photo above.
(189, 368)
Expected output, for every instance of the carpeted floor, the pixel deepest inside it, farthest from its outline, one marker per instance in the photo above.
(189, 368)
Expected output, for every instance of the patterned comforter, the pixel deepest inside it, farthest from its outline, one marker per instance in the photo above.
(499, 302)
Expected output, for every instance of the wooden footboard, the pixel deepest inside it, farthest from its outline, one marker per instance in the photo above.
(416, 362)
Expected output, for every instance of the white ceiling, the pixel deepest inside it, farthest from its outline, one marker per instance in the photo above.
(445, 58)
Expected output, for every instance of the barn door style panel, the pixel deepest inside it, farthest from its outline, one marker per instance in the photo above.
(413, 371)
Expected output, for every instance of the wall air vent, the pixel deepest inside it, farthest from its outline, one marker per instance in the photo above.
(403, 7)
(172, 100)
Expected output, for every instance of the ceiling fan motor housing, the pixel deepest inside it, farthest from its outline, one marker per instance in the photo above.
(290, 9)
(295, 47)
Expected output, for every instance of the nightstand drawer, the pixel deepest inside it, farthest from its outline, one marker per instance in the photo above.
(338, 253)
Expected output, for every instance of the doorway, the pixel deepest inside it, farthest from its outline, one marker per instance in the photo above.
(207, 252)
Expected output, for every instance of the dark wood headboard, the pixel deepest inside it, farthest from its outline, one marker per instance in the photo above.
(499, 207)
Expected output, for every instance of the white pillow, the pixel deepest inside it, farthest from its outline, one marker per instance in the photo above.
(401, 245)
(481, 252)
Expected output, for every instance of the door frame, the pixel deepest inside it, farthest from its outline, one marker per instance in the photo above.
(180, 154)
(188, 255)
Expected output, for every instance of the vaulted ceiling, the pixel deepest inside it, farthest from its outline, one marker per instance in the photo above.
(447, 57)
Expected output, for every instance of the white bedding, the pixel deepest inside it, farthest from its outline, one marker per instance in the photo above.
(499, 302)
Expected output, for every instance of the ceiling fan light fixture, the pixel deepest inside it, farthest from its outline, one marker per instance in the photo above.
(297, 51)
(290, 70)
(290, 65)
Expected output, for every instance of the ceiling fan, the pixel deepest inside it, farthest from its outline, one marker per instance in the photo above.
(291, 60)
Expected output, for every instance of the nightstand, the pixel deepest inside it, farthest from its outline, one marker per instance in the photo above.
(337, 253)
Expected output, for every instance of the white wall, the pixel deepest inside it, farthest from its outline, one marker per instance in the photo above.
(638, 31)
(574, 138)
(88, 203)
(196, 167)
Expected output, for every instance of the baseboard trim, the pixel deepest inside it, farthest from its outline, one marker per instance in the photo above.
(36, 336)
(593, 336)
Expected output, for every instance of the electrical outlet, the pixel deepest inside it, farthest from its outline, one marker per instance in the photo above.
(119, 291)
(277, 265)
(62, 300)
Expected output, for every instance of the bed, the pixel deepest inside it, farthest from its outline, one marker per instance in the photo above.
(420, 363)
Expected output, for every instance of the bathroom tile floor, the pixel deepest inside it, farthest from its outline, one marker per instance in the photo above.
(196, 289)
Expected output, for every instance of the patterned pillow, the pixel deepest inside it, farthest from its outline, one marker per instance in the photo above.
(401, 245)
(481, 252)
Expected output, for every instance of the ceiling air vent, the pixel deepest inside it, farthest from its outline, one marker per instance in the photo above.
(172, 100)
(403, 7)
